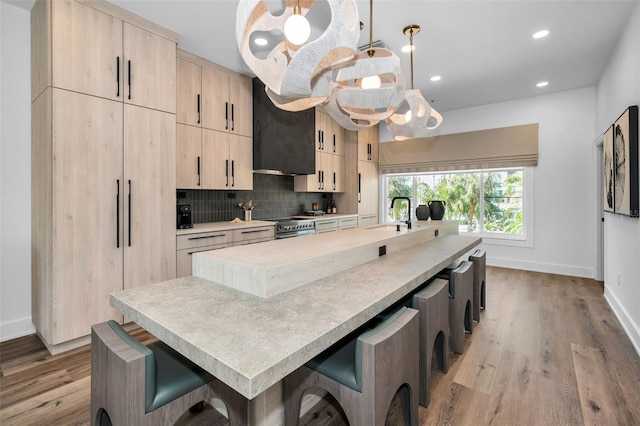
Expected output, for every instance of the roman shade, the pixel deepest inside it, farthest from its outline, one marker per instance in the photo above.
(514, 146)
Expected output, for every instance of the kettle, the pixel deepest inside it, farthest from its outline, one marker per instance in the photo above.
(437, 208)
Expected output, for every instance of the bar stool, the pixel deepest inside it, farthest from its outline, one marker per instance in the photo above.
(364, 371)
(479, 259)
(432, 303)
(134, 384)
(460, 276)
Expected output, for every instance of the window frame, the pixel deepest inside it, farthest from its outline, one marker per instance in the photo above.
(524, 240)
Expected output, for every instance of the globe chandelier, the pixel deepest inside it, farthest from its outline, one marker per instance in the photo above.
(415, 123)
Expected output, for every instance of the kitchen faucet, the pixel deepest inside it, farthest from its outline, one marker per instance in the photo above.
(393, 200)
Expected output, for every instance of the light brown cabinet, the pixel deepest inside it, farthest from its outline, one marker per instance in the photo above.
(96, 53)
(103, 213)
(368, 145)
(212, 97)
(214, 148)
(330, 158)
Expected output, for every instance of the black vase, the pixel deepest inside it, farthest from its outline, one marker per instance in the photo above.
(437, 209)
(422, 212)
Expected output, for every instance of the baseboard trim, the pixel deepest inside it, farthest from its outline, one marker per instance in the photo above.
(549, 268)
(630, 327)
(16, 328)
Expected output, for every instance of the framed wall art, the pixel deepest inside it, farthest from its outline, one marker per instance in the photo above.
(607, 170)
(625, 163)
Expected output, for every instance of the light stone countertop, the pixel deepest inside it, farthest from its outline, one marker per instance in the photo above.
(223, 226)
(251, 343)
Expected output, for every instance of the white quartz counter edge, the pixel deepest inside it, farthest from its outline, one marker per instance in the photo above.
(223, 226)
(251, 343)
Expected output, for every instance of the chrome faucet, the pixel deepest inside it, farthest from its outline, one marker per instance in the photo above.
(393, 200)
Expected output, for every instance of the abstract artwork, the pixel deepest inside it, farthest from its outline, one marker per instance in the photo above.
(625, 163)
(607, 157)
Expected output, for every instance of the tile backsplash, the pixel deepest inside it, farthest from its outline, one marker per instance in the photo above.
(272, 194)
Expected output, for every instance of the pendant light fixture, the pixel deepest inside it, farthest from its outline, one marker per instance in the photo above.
(421, 118)
(297, 71)
(367, 88)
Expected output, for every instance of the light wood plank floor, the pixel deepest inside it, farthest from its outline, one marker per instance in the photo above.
(548, 351)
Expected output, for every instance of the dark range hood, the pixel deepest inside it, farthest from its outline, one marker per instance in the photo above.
(283, 141)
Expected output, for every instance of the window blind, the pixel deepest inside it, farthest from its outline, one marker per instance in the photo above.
(514, 146)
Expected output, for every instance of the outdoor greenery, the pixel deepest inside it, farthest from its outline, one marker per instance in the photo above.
(461, 191)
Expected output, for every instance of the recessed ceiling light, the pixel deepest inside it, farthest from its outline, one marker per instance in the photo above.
(542, 84)
(407, 48)
(436, 78)
(541, 34)
(261, 41)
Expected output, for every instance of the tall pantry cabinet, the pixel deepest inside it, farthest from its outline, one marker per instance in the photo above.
(103, 162)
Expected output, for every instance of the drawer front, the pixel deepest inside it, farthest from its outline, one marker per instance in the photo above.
(367, 220)
(246, 242)
(263, 233)
(183, 258)
(326, 225)
(203, 239)
(348, 223)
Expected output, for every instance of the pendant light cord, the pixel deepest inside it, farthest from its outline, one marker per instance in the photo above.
(411, 49)
(371, 52)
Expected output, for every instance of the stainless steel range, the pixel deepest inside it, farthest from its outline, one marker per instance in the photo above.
(288, 227)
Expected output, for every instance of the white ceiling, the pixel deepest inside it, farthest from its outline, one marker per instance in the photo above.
(482, 49)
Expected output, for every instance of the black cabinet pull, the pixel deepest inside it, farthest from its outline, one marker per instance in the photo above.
(129, 219)
(198, 170)
(359, 187)
(118, 75)
(322, 140)
(129, 67)
(319, 184)
(118, 213)
(206, 236)
(233, 172)
(322, 179)
(233, 120)
(226, 171)
(319, 139)
(334, 143)
(198, 108)
(226, 115)
(334, 181)
(253, 232)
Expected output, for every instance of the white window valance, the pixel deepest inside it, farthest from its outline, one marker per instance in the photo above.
(514, 146)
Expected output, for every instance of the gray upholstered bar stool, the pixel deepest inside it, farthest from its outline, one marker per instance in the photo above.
(432, 303)
(460, 276)
(479, 259)
(134, 384)
(364, 371)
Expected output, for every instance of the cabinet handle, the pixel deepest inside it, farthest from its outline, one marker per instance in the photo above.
(233, 172)
(359, 187)
(233, 120)
(198, 170)
(319, 179)
(322, 179)
(253, 232)
(334, 181)
(118, 213)
(129, 67)
(319, 139)
(118, 75)
(198, 108)
(129, 219)
(206, 236)
(323, 140)
(207, 249)
(226, 171)
(226, 115)
(334, 143)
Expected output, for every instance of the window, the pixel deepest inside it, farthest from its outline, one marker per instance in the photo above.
(487, 203)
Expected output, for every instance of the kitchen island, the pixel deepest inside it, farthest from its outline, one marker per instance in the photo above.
(251, 343)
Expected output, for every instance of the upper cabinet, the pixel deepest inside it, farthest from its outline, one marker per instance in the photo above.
(368, 144)
(213, 97)
(214, 148)
(330, 135)
(96, 53)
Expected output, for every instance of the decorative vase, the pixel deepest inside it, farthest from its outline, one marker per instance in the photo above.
(422, 212)
(437, 209)
(247, 215)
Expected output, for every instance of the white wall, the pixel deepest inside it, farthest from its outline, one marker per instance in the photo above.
(563, 180)
(618, 88)
(15, 174)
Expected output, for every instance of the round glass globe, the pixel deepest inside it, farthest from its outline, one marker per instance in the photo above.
(371, 82)
(297, 29)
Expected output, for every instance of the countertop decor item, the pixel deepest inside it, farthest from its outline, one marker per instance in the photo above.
(247, 207)
(437, 209)
(415, 123)
(423, 212)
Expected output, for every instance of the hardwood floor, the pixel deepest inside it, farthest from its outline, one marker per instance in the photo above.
(547, 351)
